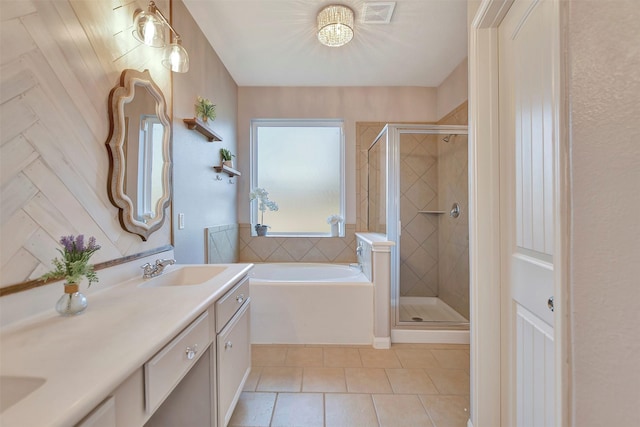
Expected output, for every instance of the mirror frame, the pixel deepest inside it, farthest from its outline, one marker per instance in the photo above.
(118, 97)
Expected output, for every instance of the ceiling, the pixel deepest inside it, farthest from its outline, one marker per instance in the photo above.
(274, 43)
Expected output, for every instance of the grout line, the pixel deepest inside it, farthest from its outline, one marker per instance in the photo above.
(324, 410)
(273, 410)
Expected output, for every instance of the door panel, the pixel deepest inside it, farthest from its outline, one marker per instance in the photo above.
(528, 145)
(535, 354)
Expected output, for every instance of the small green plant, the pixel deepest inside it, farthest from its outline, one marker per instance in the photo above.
(226, 155)
(205, 109)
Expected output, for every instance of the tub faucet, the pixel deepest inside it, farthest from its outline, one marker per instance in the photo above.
(356, 265)
(150, 271)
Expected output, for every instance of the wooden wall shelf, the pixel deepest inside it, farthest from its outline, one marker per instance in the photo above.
(226, 169)
(200, 126)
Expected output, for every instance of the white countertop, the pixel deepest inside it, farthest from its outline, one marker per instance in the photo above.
(86, 357)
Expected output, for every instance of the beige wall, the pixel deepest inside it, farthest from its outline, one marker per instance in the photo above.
(604, 92)
(409, 104)
(204, 200)
(454, 90)
(60, 60)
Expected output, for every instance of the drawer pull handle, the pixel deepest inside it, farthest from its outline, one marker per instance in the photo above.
(240, 298)
(228, 344)
(192, 351)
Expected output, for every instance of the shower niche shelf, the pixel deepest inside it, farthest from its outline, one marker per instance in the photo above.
(453, 213)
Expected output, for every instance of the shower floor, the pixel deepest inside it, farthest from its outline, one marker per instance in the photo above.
(428, 309)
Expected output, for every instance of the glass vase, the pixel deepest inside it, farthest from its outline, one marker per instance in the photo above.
(71, 302)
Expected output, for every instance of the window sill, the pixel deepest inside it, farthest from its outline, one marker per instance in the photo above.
(296, 235)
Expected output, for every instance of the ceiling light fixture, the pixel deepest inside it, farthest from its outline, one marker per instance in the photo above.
(335, 25)
(150, 29)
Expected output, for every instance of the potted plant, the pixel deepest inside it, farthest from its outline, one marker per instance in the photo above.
(227, 157)
(73, 266)
(205, 109)
(264, 203)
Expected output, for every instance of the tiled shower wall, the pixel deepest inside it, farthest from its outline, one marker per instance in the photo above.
(419, 237)
(448, 277)
(453, 234)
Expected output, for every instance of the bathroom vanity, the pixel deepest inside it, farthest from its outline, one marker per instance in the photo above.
(165, 352)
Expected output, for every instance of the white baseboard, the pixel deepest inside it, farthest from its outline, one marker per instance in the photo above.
(429, 336)
(382, 343)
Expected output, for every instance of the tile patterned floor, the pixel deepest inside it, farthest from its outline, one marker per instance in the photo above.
(356, 386)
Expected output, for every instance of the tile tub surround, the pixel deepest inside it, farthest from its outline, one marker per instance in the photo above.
(222, 244)
(124, 326)
(297, 249)
(409, 384)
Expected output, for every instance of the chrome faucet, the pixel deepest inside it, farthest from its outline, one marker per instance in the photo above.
(150, 271)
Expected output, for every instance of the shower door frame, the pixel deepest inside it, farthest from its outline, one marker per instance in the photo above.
(394, 132)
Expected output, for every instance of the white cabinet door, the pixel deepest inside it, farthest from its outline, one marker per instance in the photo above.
(104, 415)
(528, 61)
(233, 363)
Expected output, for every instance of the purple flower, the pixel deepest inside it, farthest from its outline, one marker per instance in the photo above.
(92, 244)
(67, 242)
(80, 243)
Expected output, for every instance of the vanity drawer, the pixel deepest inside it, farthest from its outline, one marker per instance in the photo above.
(165, 370)
(229, 304)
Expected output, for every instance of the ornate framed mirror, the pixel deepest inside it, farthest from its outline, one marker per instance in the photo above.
(139, 146)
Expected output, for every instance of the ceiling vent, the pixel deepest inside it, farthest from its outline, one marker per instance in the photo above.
(377, 12)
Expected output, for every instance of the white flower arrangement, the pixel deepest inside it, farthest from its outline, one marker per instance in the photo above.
(334, 219)
(264, 203)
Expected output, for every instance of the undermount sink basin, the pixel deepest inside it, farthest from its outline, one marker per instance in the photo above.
(184, 276)
(14, 389)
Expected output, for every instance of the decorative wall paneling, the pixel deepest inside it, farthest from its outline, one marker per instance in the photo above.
(58, 62)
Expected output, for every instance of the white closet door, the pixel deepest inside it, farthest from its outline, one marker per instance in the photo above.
(528, 48)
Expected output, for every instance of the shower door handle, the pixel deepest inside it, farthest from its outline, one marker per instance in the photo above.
(455, 210)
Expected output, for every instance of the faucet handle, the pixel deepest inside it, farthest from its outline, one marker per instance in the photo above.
(145, 266)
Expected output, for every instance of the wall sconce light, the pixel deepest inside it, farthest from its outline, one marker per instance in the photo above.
(150, 29)
(335, 25)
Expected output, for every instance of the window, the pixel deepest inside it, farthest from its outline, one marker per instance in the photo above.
(301, 164)
(151, 163)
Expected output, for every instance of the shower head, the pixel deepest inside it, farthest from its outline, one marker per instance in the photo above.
(447, 138)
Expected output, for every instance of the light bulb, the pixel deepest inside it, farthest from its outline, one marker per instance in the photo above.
(176, 58)
(149, 32)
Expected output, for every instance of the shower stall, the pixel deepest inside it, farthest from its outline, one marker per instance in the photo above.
(418, 197)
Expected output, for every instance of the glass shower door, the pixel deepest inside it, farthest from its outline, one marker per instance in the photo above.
(426, 173)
